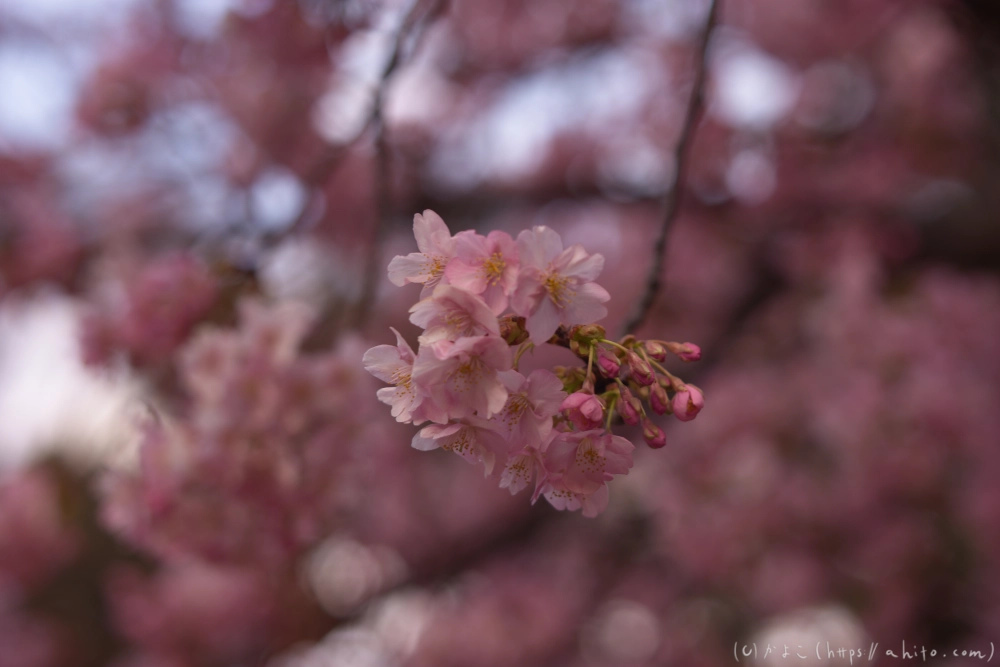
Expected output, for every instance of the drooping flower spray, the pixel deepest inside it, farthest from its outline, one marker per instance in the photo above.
(488, 300)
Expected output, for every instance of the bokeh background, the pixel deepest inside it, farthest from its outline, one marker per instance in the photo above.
(193, 467)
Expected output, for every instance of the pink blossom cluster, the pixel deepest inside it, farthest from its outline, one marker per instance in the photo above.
(149, 311)
(258, 447)
(483, 295)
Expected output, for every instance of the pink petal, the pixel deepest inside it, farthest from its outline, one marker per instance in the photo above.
(412, 268)
(538, 247)
(382, 361)
(596, 502)
(495, 297)
(545, 392)
(529, 292)
(512, 380)
(470, 246)
(518, 473)
(544, 322)
(405, 351)
(466, 275)
(428, 228)
(496, 397)
(585, 267)
(587, 305)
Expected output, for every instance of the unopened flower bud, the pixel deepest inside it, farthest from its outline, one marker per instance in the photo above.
(686, 351)
(572, 378)
(629, 407)
(588, 332)
(653, 434)
(688, 403)
(656, 350)
(512, 329)
(607, 362)
(658, 399)
(641, 370)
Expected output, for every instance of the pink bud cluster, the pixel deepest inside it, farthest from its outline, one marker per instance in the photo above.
(647, 381)
(483, 295)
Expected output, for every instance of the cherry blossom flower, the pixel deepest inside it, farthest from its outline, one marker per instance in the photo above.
(485, 265)
(473, 439)
(585, 410)
(207, 363)
(436, 246)
(521, 469)
(532, 401)
(274, 332)
(450, 313)
(556, 286)
(688, 403)
(461, 377)
(583, 461)
(394, 364)
(562, 498)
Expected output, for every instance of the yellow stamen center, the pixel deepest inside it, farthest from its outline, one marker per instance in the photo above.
(558, 288)
(493, 268)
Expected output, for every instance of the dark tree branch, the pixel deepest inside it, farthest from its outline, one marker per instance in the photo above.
(414, 23)
(672, 200)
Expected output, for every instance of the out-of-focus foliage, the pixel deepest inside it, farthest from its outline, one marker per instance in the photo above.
(189, 190)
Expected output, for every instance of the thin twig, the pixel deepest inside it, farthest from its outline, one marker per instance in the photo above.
(324, 167)
(672, 199)
(416, 24)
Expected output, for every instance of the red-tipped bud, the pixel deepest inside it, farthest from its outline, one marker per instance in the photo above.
(656, 350)
(653, 434)
(688, 403)
(629, 407)
(608, 362)
(641, 370)
(686, 351)
(658, 399)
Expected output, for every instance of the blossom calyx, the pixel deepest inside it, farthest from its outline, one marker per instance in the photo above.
(572, 378)
(512, 329)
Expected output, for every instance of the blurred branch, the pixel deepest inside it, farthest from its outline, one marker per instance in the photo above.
(413, 24)
(671, 203)
(416, 23)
